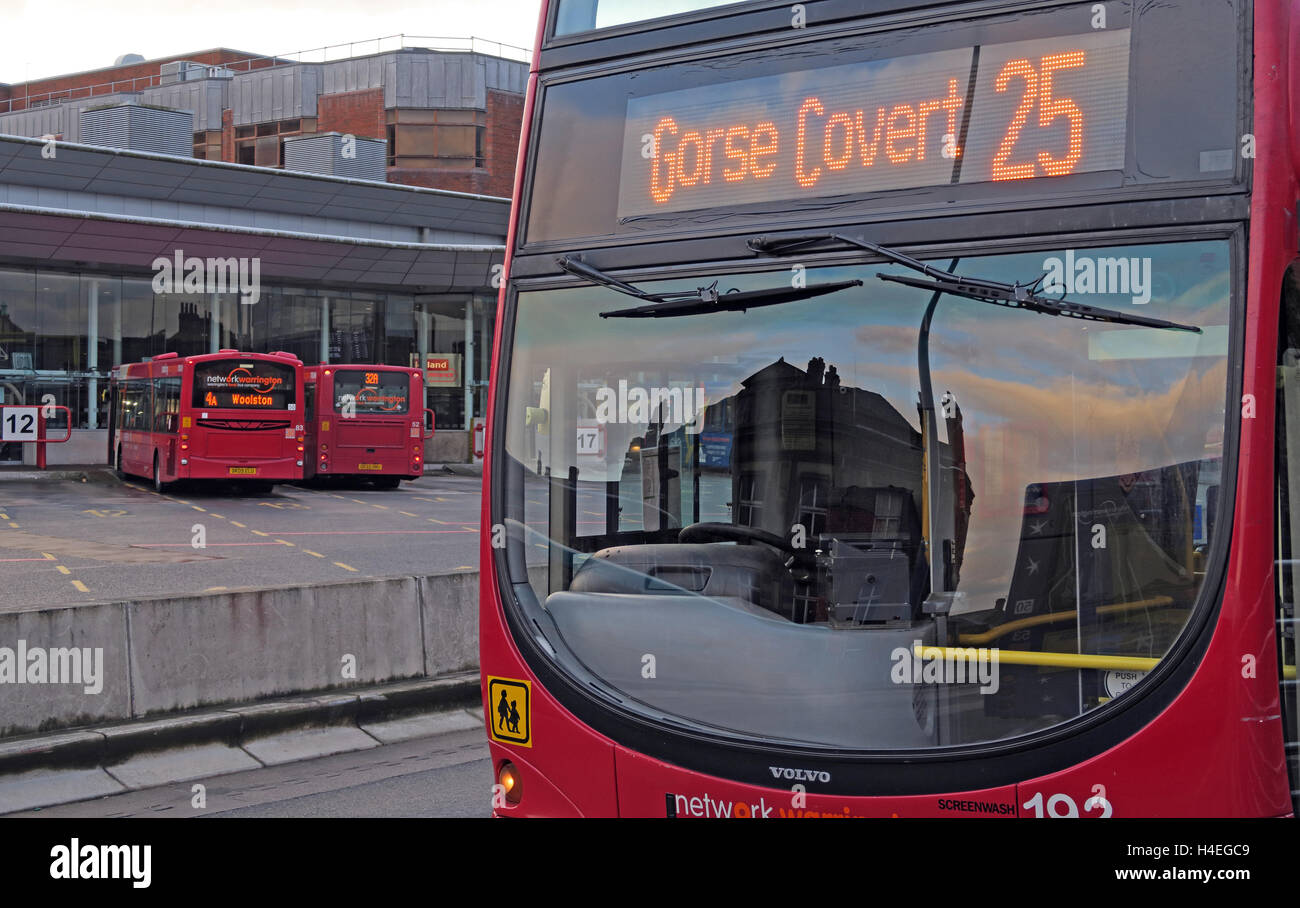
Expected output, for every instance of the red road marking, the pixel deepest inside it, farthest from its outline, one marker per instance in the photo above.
(371, 532)
(163, 545)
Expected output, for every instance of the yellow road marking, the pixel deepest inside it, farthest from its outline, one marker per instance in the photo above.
(236, 523)
(442, 499)
(285, 542)
(61, 569)
(408, 514)
(436, 520)
(48, 556)
(260, 533)
(383, 507)
(357, 500)
(314, 554)
(80, 586)
(216, 589)
(346, 567)
(14, 525)
(465, 567)
(4, 516)
(197, 508)
(218, 516)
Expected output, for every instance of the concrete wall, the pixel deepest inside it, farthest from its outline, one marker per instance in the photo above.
(85, 446)
(165, 655)
(90, 446)
(448, 446)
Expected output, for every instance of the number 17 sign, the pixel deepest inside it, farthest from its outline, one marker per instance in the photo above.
(18, 423)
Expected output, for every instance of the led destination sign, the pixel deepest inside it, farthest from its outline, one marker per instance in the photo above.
(261, 385)
(1015, 111)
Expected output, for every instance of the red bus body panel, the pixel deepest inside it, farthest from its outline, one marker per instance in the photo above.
(368, 445)
(1216, 750)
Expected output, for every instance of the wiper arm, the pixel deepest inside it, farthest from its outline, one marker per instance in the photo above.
(698, 301)
(999, 293)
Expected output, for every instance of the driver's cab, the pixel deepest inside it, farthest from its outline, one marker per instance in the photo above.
(825, 508)
(807, 547)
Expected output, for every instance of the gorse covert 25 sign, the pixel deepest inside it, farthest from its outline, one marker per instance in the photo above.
(1012, 111)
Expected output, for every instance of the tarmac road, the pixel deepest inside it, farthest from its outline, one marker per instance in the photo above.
(69, 542)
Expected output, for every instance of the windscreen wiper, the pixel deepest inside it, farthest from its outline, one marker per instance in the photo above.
(698, 301)
(1012, 296)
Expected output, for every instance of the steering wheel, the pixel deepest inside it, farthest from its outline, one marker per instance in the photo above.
(730, 532)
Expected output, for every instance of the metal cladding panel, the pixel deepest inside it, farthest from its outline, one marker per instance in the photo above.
(434, 80)
(282, 93)
(357, 74)
(369, 163)
(504, 75)
(140, 129)
(204, 98)
(324, 154)
(454, 73)
(41, 121)
(390, 82)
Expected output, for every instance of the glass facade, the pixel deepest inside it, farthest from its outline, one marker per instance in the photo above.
(61, 332)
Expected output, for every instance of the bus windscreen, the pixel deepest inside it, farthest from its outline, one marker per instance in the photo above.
(236, 384)
(372, 391)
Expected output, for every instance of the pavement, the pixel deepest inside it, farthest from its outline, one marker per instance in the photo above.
(80, 535)
(447, 773)
(43, 770)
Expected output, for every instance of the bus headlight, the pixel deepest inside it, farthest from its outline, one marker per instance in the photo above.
(510, 782)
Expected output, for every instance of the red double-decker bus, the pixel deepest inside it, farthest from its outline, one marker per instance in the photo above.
(363, 421)
(225, 415)
(999, 309)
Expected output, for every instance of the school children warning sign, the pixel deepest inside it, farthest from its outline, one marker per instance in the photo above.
(509, 704)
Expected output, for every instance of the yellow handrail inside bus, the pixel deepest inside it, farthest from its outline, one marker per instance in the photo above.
(1023, 657)
(1052, 617)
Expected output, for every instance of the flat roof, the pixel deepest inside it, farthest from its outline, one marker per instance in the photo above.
(145, 175)
(245, 55)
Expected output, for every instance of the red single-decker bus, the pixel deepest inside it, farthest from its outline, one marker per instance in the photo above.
(224, 415)
(360, 422)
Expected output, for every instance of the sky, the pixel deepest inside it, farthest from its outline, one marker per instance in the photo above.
(41, 38)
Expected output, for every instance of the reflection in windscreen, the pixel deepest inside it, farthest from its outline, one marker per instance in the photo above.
(743, 496)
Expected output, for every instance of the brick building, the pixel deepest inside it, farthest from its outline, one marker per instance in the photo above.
(448, 118)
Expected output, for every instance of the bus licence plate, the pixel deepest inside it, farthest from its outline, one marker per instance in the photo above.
(370, 466)
(243, 471)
